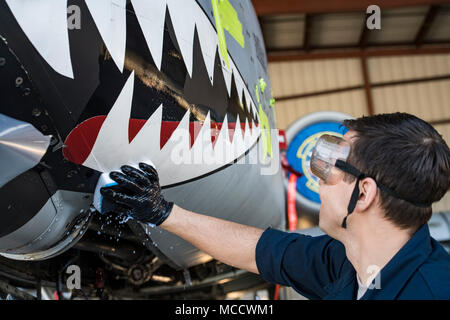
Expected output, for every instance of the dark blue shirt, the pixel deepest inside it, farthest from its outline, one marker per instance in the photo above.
(317, 267)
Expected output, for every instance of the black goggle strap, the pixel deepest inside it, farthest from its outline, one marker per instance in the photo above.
(393, 194)
(344, 166)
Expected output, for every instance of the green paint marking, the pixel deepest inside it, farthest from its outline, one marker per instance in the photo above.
(257, 94)
(264, 127)
(265, 132)
(272, 105)
(227, 18)
(272, 102)
(262, 84)
(231, 21)
(272, 99)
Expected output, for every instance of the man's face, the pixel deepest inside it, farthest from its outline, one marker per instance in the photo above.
(334, 200)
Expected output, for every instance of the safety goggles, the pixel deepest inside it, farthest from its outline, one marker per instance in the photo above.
(329, 163)
(326, 156)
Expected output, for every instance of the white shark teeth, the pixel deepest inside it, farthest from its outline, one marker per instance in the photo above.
(241, 86)
(208, 42)
(110, 18)
(223, 143)
(237, 142)
(151, 16)
(240, 89)
(254, 131)
(184, 14)
(248, 100)
(202, 147)
(180, 135)
(247, 134)
(223, 133)
(227, 76)
(110, 149)
(148, 138)
(176, 159)
(45, 24)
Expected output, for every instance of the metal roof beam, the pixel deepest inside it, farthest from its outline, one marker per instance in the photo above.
(271, 7)
(426, 24)
(307, 32)
(338, 54)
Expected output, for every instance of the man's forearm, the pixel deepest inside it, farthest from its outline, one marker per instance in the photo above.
(226, 241)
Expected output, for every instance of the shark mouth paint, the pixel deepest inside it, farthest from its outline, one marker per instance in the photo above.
(104, 143)
(182, 83)
(169, 90)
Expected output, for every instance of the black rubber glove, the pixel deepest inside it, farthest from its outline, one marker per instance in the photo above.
(138, 194)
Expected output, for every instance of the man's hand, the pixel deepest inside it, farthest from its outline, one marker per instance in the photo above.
(138, 194)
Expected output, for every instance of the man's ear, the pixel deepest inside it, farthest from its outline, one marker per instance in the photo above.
(367, 193)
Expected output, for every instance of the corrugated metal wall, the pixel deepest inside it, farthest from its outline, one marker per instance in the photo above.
(383, 69)
(426, 92)
(304, 77)
(428, 100)
(299, 77)
(350, 102)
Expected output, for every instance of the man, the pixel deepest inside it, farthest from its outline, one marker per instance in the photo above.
(377, 185)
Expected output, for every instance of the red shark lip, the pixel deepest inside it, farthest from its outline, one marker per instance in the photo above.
(81, 139)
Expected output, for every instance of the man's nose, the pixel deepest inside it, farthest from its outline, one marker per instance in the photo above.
(320, 182)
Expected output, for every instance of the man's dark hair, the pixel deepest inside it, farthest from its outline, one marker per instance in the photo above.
(406, 155)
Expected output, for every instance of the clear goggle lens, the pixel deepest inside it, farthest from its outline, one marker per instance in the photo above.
(327, 151)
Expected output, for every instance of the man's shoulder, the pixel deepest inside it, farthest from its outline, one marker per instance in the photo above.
(294, 246)
(438, 260)
(324, 243)
(315, 236)
(434, 274)
(301, 236)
